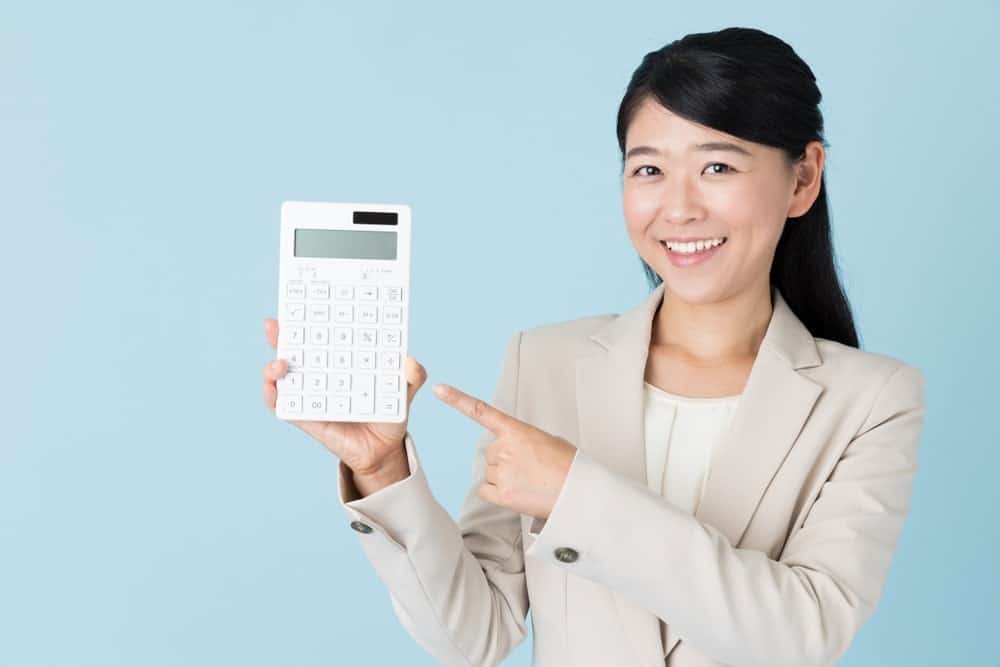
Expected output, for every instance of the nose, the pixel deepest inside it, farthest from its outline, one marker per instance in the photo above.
(682, 201)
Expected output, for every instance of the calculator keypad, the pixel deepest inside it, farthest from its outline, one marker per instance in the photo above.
(343, 344)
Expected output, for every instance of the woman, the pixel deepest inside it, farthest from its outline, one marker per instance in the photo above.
(717, 476)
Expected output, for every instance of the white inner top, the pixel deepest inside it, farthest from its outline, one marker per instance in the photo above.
(681, 433)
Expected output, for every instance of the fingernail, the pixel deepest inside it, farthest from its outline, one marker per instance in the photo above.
(276, 364)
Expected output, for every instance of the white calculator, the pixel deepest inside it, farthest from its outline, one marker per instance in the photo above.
(343, 302)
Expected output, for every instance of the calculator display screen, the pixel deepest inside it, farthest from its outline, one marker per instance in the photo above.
(344, 244)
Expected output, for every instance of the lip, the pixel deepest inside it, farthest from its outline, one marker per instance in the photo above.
(685, 260)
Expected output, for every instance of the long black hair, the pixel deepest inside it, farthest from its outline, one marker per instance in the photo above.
(752, 85)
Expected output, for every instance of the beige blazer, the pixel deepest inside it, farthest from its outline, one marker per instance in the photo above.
(782, 563)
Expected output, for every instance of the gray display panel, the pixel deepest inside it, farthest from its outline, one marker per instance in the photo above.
(344, 244)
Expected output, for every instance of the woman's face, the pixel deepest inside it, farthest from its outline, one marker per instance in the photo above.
(672, 189)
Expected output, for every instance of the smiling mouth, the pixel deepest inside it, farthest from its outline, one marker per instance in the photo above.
(683, 248)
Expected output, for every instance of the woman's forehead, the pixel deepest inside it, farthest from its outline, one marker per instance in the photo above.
(656, 126)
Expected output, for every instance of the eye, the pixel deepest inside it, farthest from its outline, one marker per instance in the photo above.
(725, 169)
(645, 166)
(720, 164)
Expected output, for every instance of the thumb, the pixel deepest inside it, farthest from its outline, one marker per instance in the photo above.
(416, 375)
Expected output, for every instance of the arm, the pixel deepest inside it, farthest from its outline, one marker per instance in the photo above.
(737, 605)
(458, 589)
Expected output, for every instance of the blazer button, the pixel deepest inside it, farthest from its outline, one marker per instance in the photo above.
(361, 527)
(566, 555)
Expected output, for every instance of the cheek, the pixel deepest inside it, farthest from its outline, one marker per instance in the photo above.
(639, 207)
(767, 221)
(749, 212)
(756, 232)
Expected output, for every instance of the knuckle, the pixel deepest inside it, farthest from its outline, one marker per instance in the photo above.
(503, 452)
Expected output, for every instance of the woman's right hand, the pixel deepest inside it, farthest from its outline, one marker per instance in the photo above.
(364, 447)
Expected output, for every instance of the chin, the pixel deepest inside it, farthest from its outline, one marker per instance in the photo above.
(694, 292)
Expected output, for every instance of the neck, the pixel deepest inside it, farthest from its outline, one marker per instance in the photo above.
(714, 333)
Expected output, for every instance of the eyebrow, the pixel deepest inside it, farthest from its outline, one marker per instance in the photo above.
(704, 147)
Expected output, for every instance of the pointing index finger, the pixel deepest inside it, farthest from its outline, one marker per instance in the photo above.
(476, 409)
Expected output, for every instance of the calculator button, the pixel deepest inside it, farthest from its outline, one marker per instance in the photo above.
(342, 359)
(363, 403)
(293, 357)
(343, 313)
(367, 337)
(341, 382)
(319, 312)
(391, 337)
(294, 335)
(366, 359)
(317, 358)
(316, 405)
(364, 382)
(290, 403)
(319, 290)
(290, 382)
(388, 384)
(389, 360)
(392, 314)
(316, 381)
(340, 405)
(353, 329)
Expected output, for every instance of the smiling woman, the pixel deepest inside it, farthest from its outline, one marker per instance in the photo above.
(717, 476)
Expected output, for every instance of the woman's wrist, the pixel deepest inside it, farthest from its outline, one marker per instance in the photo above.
(393, 469)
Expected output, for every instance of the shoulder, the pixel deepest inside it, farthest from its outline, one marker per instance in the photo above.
(563, 337)
(567, 330)
(550, 348)
(845, 360)
(879, 377)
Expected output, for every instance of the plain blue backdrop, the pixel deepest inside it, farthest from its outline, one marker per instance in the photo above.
(153, 512)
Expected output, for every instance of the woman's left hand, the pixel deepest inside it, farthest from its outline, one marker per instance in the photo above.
(525, 466)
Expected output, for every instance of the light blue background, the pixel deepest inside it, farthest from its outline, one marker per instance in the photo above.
(152, 512)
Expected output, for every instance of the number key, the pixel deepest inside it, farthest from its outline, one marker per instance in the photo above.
(293, 335)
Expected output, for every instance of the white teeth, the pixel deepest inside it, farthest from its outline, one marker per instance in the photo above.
(694, 246)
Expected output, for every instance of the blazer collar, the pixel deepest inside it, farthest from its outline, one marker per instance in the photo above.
(770, 413)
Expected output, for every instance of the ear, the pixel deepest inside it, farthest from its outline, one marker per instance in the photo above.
(808, 172)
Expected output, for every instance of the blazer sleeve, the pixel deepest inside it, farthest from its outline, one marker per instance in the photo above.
(458, 588)
(737, 605)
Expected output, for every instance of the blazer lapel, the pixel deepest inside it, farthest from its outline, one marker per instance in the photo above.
(769, 415)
